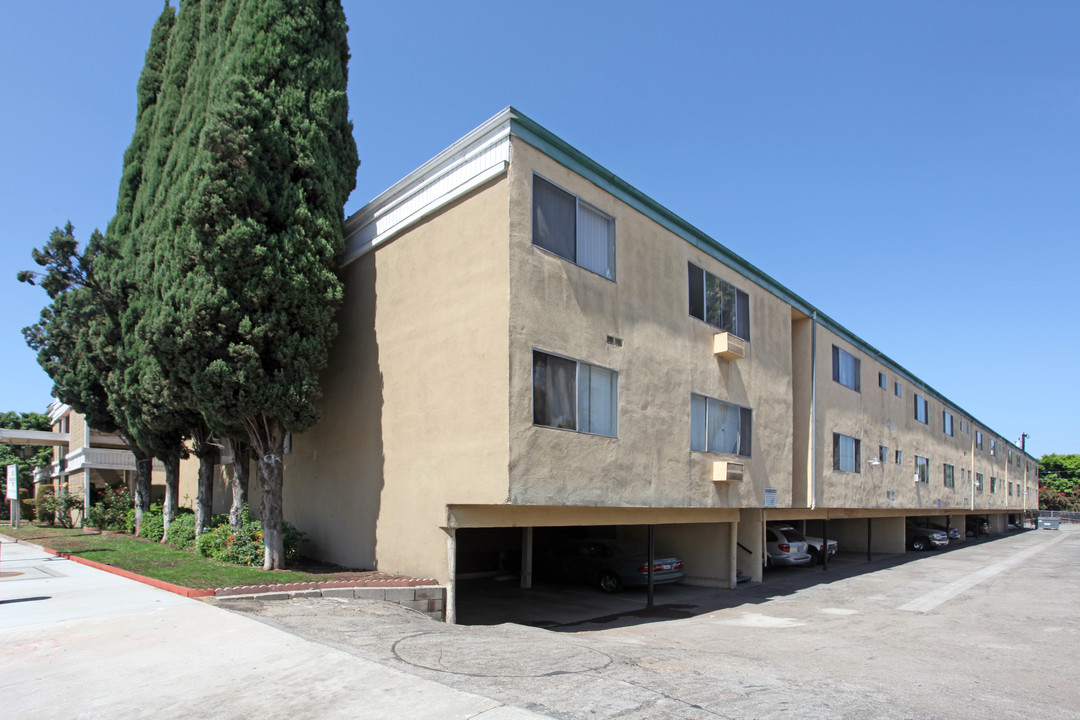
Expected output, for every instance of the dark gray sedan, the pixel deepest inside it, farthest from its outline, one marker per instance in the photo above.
(610, 564)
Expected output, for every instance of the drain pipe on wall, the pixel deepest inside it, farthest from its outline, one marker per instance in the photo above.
(813, 412)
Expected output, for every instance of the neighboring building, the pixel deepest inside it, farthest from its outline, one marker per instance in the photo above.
(86, 458)
(531, 347)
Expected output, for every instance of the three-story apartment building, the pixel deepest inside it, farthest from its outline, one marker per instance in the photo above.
(529, 343)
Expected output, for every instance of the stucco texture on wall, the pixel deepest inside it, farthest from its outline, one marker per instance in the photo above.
(665, 355)
(414, 411)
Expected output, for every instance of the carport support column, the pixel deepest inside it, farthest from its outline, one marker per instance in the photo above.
(451, 585)
(869, 538)
(526, 557)
(825, 544)
(652, 562)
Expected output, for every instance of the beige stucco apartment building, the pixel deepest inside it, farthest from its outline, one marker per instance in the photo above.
(530, 348)
(528, 343)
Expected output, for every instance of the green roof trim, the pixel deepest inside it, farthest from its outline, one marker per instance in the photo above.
(562, 152)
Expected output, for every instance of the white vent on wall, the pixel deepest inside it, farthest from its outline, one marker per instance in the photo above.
(728, 346)
(724, 471)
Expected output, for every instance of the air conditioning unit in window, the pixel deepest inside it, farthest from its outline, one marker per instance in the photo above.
(729, 346)
(724, 471)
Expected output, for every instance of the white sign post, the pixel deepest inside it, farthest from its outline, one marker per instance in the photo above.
(13, 493)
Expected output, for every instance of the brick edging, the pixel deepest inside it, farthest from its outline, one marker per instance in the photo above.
(321, 585)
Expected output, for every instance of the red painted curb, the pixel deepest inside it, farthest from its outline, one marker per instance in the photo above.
(160, 584)
(226, 592)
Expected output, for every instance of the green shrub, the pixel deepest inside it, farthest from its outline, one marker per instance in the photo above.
(57, 508)
(153, 524)
(245, 546)
(182, 531)
(44, 492)
(110, 512)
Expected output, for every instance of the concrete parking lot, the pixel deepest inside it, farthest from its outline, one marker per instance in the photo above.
(988, 629)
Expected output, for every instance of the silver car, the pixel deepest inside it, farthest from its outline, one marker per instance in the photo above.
(786, 546)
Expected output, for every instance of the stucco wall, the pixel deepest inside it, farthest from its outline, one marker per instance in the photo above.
(561, 308)
(878, 417)
(414, 410)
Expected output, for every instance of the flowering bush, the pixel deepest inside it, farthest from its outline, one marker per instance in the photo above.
(110, 509)
(244, 546)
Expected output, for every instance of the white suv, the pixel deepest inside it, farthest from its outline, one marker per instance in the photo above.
(786, 546)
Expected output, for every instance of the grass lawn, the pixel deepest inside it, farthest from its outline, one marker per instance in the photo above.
(154, 560)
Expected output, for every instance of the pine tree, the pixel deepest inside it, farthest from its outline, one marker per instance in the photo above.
(77, 335)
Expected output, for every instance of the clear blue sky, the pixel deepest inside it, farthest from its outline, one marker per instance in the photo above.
(912, 169)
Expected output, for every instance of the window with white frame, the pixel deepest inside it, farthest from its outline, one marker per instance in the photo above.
(979, 439)
(950, 475)
(882, 382)
(846, 453)
(993, 484)
(993, 446)
(921, 409)
(899, 457)
(978, 482)
(922, 469)
(573, 395)
(882, 454)
(720, 427)
(718, 302)
(572, 229)
(947, 422)
(899, 391)
(846, 369)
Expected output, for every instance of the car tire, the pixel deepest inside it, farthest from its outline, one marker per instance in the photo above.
(919, 544)
(815, 555)
(610, 582)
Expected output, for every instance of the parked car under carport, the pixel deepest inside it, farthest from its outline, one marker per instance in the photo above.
(609, 564)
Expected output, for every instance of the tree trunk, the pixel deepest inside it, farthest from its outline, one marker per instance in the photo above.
(207, 452)
(204, 502)
(241, 474)
(271, 466)
(268, 439)
(144, 469)
(172, 490)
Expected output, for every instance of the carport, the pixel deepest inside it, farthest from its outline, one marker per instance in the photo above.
(855, 531)
(491, 548)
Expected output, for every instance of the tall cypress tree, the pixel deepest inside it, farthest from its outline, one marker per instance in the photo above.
(139, 410)
(243, 283)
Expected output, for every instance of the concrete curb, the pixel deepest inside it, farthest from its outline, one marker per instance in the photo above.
(423, 595)
(429, 599)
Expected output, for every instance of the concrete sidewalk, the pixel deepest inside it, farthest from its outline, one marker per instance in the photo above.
(81, 643)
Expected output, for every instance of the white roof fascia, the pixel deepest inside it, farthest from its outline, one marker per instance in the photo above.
(478, 157)
(58, 410)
